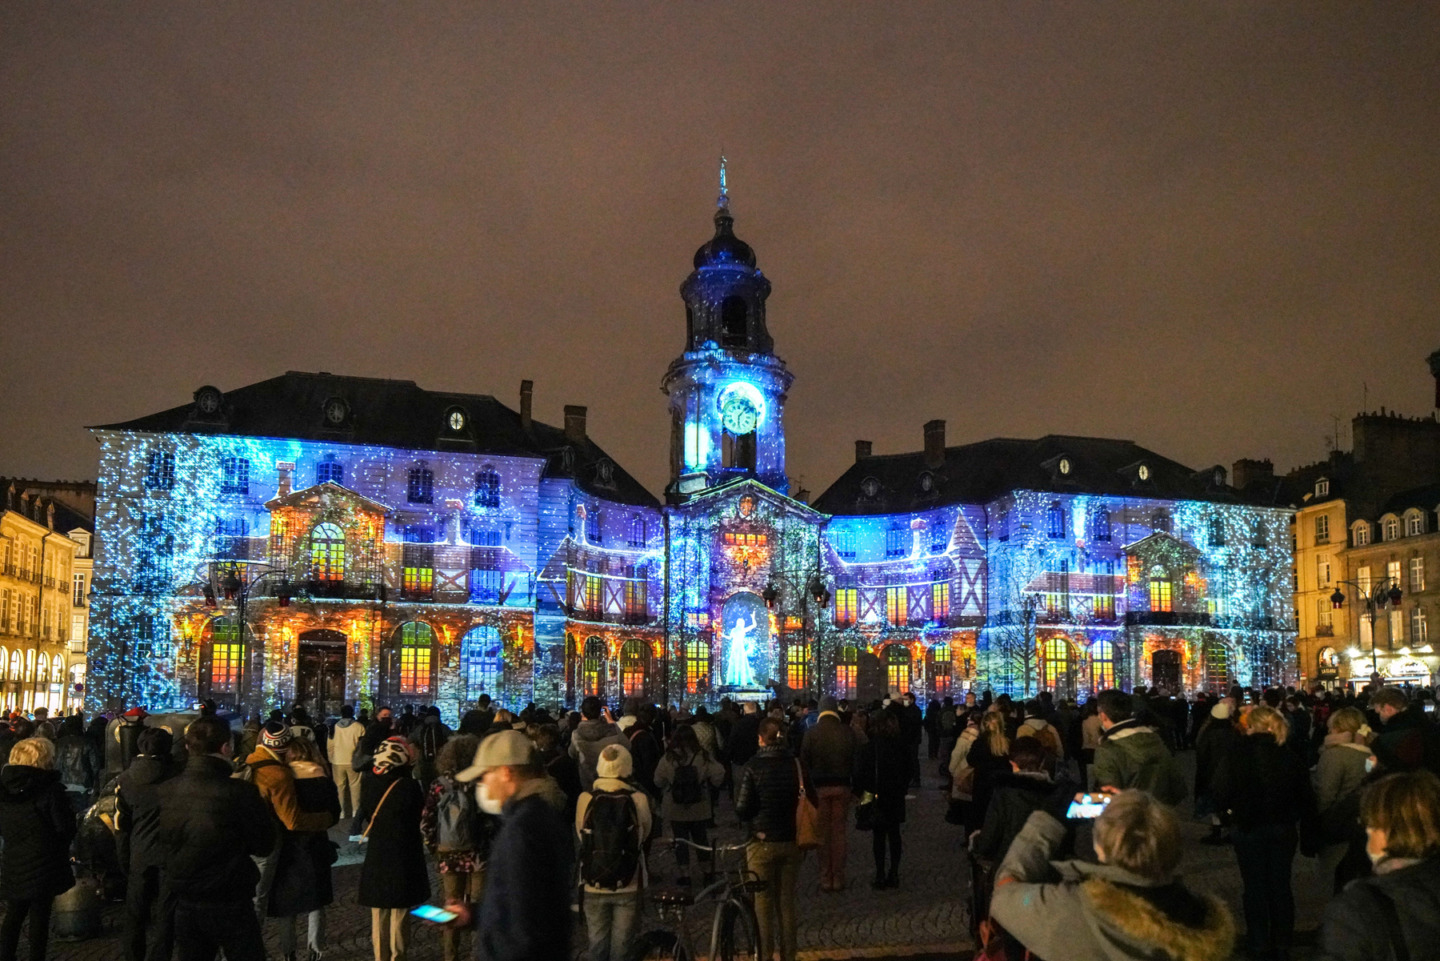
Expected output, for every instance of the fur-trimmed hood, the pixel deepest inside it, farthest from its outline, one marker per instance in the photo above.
(1149, 920)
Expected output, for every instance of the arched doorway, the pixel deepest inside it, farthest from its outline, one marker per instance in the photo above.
(634, 668)
(1165, 670)
(592, 668)
(482, 661)
(224, 668)
(1102, 666)
(320, 672)
(897, 669)
(1055, 666)
(939, 668)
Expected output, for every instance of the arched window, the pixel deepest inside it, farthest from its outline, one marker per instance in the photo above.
(487, 488)
(1102, 666)
(57, 668)
(480, 655)
(1102, 525)
(797, 664)
(734, 318)
(417, 650)
(897, 668)
(1390, 527)
(1414, 523)
(1055, 520)
(29, 665)
(846, 669)
(1055, 664)
(4, 664)
(593, 669)
(43, 672)
(1361, 532)
(697, 666)
(327, 552)
(941, 668)
(634, 665)
(227, 653)
(17, 665)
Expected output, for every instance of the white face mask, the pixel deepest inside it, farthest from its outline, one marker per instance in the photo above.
(487, 803)
(1370, 764)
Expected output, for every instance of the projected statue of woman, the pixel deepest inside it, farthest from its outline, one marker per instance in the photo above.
(739, 648)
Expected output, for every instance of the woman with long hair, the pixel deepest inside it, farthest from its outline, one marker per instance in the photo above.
(882, 769)
(37, 825)
(990, 757)
(684, 777)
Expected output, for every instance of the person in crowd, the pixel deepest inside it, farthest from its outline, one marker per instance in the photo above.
(1407, 740)
(213, 827)
(962, 775)
(249, 736)
(705, 733)
(558, 765)
(645, 749)
(1265, 787)
(149, 902)
(684, 777)
(302, 883)
(1015, 797)
(394, 877)
(591, 737)
(912, 731)
(828, 752)
(524, 914)
(429, 736)
(766, 797)
(37, 824)
(1396, 913)
(612, 822)
(477, 720)
(382, 727)
(1129, 905)
(1217, 736)
(299, 721)
(882, 769)
(1339, 777)
(268, 767)
(990, 758)
(457, 833)
(1132, 754)
(745, 737)
(1035, 725)
(344, 742)
(73, 759)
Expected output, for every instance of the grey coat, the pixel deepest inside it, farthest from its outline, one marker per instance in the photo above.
(712, 774)
(1097, 912)
(1339, 773)
(589, 739)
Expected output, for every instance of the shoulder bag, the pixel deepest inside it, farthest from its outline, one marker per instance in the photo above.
(807, 816)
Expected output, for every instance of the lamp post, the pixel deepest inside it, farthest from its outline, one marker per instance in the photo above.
(815, 589)
(232, 580)
(1382, 592)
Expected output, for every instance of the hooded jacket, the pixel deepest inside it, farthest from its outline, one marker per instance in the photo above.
(276, 783)
(37, 824)
(828, 751)
(1100, 912)
(211, 825)
(590, 738)
(1133, 756)
(139, 803)
(1354, 929)
(348, 734)
(525, 911)
(1015, 797)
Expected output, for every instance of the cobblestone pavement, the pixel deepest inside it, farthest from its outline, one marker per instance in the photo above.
(924, 919)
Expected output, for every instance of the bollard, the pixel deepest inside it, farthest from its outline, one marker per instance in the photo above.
(76, 914)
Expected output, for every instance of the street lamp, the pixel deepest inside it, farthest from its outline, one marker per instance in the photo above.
(238, 586)
(815, 590)
(1382, 592)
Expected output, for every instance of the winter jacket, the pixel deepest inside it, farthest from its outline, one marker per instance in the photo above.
(1407, 742)
(960, 764)
(1134, 756)
(768, 793)
(1046, 733)
(988, 767)
(1211, 748)
(1099, 912)
(302, 875)
(525, 913)
(429, 737)
(1092, 730)
(139, 810)
(589, 739)
(1354, 929)
(711, 774)
(744, 739)
(828, 751)
(37, 825)
(211, 825)
(645, 753)
(883, 769)
(643, 821)
(275, 781)
(912, 724)
(1340, 771)
(708, 737)
(1014, 799)
(1262, 782)
(394, 874)
(348, 735)
(73, 761)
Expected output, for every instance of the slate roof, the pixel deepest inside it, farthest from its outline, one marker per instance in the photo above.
(1426, 498)
(396, 414)
(980, 472)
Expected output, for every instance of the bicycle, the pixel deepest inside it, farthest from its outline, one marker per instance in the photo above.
(734, 931)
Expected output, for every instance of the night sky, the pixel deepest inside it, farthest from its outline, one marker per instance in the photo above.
(1201, 227)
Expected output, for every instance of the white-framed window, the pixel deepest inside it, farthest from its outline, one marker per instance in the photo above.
(1392, 571)
(1322, 570)
(1389, 527)
(1322, 487)
(1397, 627)
(78, 597)
(1362, 577)
(1361, 533)
(1417, 574)
(1419, 630)
(1324, 618)
(1322, 529)
(1414, 523)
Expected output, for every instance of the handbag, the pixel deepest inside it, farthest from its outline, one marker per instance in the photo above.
(867, 812)
(807, 816)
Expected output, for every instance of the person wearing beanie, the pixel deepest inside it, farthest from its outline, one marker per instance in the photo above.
(394, 877)
(612, 914)
(1218, 736)
(828, 752)
(268, 769)
(149, 904)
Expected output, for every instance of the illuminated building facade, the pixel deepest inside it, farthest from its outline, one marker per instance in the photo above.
(328, 539)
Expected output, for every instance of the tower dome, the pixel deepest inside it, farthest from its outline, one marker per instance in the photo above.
(724, 249)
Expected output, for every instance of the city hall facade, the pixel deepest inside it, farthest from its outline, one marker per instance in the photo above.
(329, 539)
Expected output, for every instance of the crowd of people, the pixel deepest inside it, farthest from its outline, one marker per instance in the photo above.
(223, 829)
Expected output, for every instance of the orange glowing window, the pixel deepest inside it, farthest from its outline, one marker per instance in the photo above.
(797, 665)
(940, 601)
(417, 644)
(1160, 594)
(327, 552)
(697, 666)
(846, 604)
(896, 599)
(846, 671)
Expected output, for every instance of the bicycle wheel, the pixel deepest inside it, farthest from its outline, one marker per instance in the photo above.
(657, 945)
(736, 936)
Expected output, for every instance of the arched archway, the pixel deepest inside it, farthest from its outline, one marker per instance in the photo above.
(634, 668)
(592, 669)
(224, 662)
(327, 553)
(897, 669)
(481, 660)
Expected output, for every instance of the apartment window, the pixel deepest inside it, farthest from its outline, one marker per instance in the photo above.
(1055, 520)
(1102, 665)
(417, 645)
(1362, 534)
(1390, 528)
(1105, 594)
(420, 486)
(697, 665)
(1322, 487)
(234, 475)
(1397, 628)
(939, 537)
(593, 593)
(846, 602)
(327, 552)
(897, 540)
(1002, 526)
(1324, 614)
(1160, 590)
(1322, 529)
(418, 560)
(484, 664)
(1417, 574)
(846, 671)
(1392, 571)
(797, 665)
(593, 530)
(1419, 630)
(487, 489)
(844, 544)
(1322, 570)
(1362, 580)
(896, 602)
(1414, 523)
(330, 471)
(940, 601)
(1217, 532)
(160, 470)
(483, 536)
(637, 531)
(1102, 525)
(77, 592)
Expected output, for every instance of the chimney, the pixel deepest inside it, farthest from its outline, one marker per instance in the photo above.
(935, 444)
(1245, 472)
(574, 423)
(50, 514)
(283, 484)
(862, 450)
(527, 392)
(1434, 361)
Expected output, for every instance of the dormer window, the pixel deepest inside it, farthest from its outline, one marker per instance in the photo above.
(927, 482)
(1065, 466)
(1322, 487)
(1160, 521)
(455, 420)
(1102, 525)
(330, 471)
(605, 472)
(1143, 472)
(1414, 523)
(1389, 527)
(1360, 533)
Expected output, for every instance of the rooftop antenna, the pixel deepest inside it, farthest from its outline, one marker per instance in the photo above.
(1365, 407)
(723, 201)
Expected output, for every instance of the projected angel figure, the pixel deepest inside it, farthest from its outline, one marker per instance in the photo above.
(741, 646)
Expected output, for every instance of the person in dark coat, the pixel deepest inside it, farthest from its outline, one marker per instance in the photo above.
(36, 824)
(149, 903)
(74, 761)
(212, 827)
(744, 738)
(645, 749)
(766, 796)
(1014, 798)
(882, 768)
(1408, 740)
(558, 764)
(1217, 737)
(302, 882)
(394, 877)
(990, 757)
(1265, 787)
(1399, 907)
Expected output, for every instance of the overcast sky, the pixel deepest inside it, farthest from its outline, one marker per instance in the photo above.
(1200, 226)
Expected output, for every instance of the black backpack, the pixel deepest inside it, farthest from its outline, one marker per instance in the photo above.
(686, 788)
(455, 818)
(610, 841)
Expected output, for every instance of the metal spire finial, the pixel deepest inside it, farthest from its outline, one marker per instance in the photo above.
(724, 199)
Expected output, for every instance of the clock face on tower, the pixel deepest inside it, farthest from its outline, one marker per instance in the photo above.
(742, 407)
(336, 410)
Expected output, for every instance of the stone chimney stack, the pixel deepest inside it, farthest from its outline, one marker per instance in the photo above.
(574, 423)
(527, 393)
(1245, 472)
(935, 444)
(284, 483)
(862, 450)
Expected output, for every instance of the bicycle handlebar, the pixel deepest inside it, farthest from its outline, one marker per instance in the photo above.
(709, 849)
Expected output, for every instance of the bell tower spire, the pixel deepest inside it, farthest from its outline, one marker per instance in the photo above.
(723, 201)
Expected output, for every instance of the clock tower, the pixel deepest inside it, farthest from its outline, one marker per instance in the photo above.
(727, 390)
